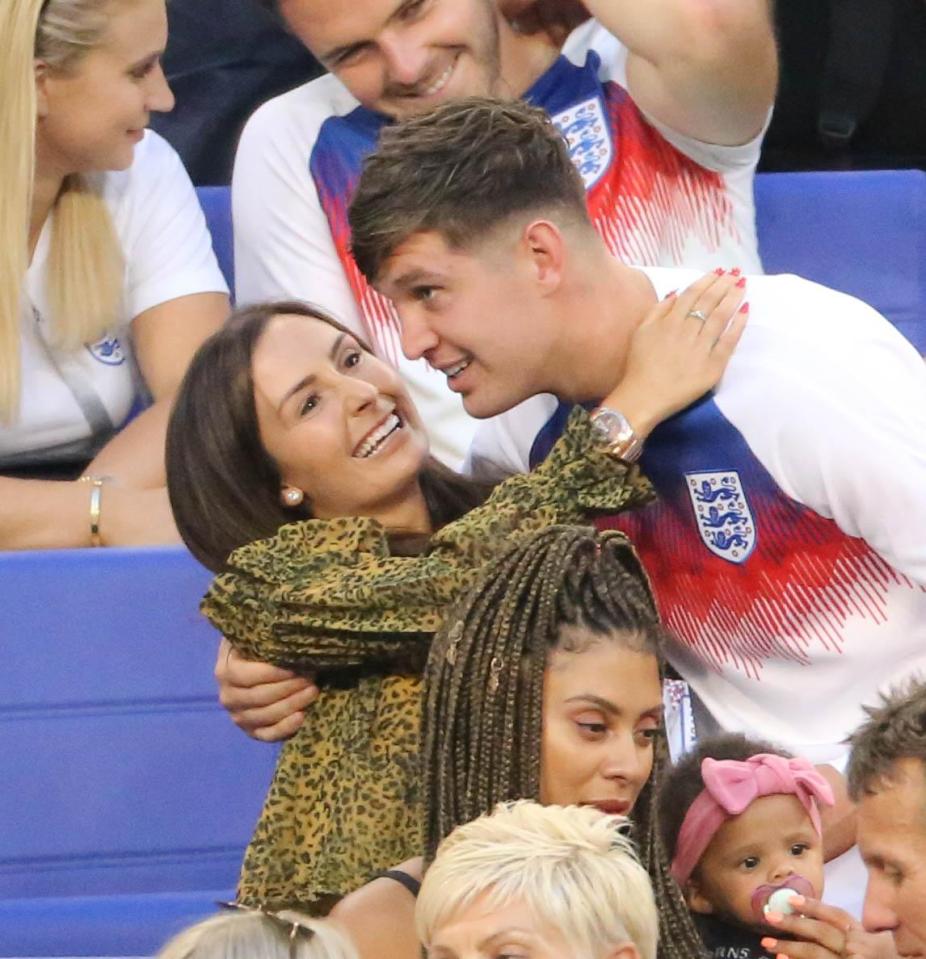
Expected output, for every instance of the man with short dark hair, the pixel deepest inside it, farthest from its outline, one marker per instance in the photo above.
(887, 778)
(787, 547)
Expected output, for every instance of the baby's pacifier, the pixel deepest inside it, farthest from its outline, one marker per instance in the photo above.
(768, 898)
(780, 901)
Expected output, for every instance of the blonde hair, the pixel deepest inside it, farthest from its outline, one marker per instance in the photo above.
(573, 867)
(252, 934)
(85, 263)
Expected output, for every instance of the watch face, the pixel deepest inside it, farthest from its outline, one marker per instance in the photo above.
(616, 433)
(610, 424)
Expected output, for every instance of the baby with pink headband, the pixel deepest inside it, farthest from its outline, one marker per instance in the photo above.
(741, 824)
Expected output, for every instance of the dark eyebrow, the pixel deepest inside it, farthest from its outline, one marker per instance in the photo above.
(604, 704)
(340, 53)
(310, 379)
(413, 277)
(608, 707)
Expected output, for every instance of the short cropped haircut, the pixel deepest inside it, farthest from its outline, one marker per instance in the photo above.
(461, 170)
(252, 934)
(573, 867)
(894, 730)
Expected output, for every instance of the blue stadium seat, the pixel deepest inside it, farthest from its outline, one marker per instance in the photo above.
(123, 781)
(100, 925)
(860, 232)
(216, 204)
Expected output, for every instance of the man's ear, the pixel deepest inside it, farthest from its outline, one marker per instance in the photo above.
(544, 246)
(41, 81)
(695, 898)
(624, 950)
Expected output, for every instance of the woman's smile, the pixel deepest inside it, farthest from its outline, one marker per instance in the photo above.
(379, 437)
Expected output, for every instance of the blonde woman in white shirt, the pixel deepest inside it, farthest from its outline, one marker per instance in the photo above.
(108, 283)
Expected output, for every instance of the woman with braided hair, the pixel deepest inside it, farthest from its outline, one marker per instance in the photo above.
(544, 683)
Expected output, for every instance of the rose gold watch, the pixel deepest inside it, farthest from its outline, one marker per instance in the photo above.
(616, 433)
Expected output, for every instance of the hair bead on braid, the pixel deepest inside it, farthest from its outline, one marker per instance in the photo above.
(484, 689)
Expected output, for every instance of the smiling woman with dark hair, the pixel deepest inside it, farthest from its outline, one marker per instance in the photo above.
(299, 467)
(226, 459)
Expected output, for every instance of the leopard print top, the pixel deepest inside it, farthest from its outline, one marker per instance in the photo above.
(326, 595)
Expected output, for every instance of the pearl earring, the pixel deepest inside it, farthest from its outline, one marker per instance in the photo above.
(292, 496)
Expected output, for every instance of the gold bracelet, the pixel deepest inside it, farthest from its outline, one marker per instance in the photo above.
(96, 502)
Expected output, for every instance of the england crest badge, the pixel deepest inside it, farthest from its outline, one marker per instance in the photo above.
(722, 513)
(108, 350)
(585, 129)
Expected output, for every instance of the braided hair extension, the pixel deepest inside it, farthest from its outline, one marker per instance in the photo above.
(484, 689)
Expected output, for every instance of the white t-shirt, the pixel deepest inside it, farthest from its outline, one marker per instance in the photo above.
(787, 548)
(657, 198)
(168, 254)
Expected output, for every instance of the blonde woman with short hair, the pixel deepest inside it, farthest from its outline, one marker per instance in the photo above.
(547, 882)
(108, 282)
(253, 934)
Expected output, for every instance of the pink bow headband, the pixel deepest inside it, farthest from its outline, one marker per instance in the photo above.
(730, 787)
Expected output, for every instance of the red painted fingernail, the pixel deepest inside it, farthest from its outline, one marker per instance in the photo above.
(741, 282)
(736, 271)
(720, 271)
(744, 309)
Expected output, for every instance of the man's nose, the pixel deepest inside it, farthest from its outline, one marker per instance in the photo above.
(417, 336)
(877, 913)
(405, 56)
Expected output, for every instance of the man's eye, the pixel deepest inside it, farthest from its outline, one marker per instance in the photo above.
(346, 56)
(424, 293)
(894, 874)
(410, 10)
